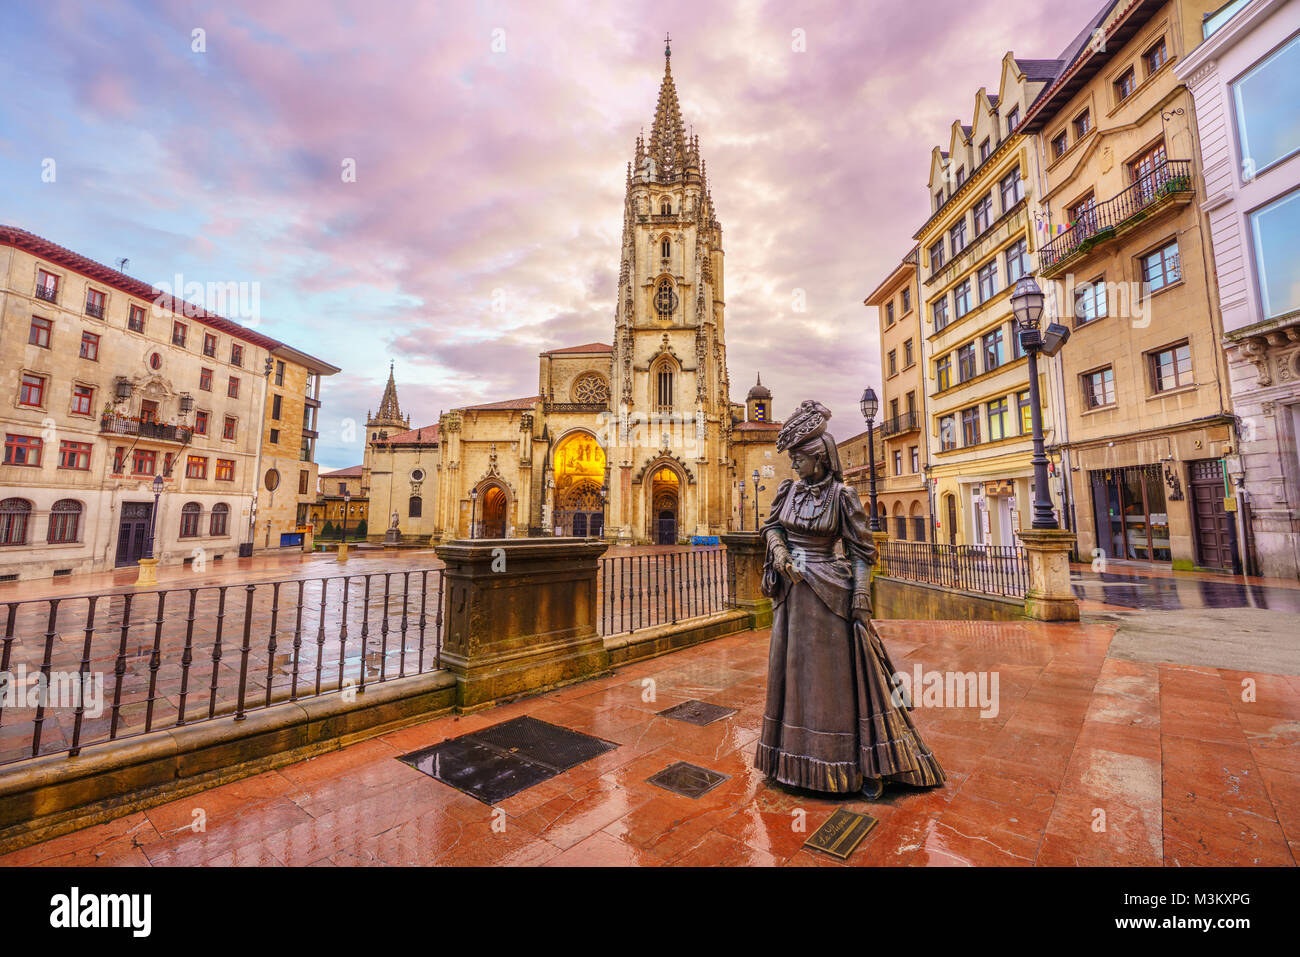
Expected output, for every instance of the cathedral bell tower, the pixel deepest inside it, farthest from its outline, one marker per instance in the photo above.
(669, 401)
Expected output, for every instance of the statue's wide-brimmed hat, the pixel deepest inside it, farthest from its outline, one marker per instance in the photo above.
(805, 430)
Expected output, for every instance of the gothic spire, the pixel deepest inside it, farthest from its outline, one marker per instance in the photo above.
(668, 135)
(389, 410)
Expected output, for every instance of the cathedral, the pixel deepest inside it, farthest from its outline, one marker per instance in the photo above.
(636, 440)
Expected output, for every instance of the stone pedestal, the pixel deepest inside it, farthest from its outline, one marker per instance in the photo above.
(878, 539)
(309, 539)
(343, 551)
(745, 551)
(1050, 597)
(521, 616)
(148, 573)
(392, 537)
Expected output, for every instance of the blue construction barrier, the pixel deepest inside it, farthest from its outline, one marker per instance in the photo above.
(705, 540)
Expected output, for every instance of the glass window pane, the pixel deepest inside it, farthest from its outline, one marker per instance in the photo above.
(1266, 114)
(1276, 233)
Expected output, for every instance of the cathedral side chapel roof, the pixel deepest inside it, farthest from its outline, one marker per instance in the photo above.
(589, 347)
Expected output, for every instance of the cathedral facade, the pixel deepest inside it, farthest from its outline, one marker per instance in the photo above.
(635, 440)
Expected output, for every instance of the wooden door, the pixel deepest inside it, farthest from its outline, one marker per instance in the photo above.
(1214, 530)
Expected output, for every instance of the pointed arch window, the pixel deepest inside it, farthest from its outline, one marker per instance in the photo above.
(665, 247)
(415, 507)
(665, 207)
(662, 384)
(665, 299)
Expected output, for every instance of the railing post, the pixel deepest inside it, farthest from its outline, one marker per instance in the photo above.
(745, 556)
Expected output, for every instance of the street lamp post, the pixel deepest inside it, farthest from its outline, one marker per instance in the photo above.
(343, 545)
(153, 517)
(473, 510)
(869, 406)
(742, 505)
(1027, 304)
(757, 488)
(148, 565)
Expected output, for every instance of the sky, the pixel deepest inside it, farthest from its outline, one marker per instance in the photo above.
(440, 185)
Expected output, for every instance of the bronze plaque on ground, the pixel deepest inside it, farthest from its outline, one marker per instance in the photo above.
(841, 834)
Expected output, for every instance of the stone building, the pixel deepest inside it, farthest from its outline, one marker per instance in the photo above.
(342, 492)
(634, 440)
(1125, 265)
(1242, 77)
(112, 383)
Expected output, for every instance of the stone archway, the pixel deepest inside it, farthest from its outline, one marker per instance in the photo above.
(494, 507)
(665, 501)
(579, 470)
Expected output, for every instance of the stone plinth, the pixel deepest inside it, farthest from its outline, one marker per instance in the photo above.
(745, 551)
(1050, 597)
(147, 576)
(878, 539)
(521, 616)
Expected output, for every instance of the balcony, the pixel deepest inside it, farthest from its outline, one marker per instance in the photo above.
(158, 431)
(95, 309)
(903, 422)
(48, 293)
(1169, 182)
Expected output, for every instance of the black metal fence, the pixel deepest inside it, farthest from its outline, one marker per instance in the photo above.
(992, 569)
(80, 670)
(640, 591)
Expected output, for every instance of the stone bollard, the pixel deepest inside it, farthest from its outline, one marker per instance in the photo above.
(520, 616)
(745, 553)
(881, 567)
(147, 576)
(1050, 597)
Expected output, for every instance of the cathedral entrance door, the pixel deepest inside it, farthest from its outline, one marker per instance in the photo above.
(494, 513)
(667, 527)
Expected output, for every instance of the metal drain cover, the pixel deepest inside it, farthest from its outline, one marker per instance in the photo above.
(688, 780)
(495, 763)
(697, 712)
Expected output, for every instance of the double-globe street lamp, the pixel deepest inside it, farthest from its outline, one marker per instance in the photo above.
(473, 510)
(1027, 305)
(757, 488)
(869, 405)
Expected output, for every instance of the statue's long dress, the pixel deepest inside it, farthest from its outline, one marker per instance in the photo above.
(829, 720)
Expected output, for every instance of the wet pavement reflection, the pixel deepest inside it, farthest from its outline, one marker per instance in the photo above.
(1170, 593)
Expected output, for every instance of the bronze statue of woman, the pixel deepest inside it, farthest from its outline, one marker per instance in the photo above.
(830, 723)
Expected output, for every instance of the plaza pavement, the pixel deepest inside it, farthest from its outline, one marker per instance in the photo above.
(1090, 760)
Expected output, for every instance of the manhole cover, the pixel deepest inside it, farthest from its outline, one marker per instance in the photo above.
(495, 763)
(688, 780)
(697, 712)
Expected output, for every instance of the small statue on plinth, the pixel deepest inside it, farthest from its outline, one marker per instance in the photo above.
(393, 536)
(831, 722)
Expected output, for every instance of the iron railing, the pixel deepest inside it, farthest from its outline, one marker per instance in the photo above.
(991, 569)
(48, 293)
(1171, 176)
(184, 655)
(903, 422)
(118, 425)
(641, 591)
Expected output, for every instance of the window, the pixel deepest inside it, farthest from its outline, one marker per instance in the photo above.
(947, 434)
(1156, 57)
(47, 286)
(985, 149)
(893, 361)
(1012, 188)
(907, 301)
(279, 372)
(1082, 124)
(889, 313)
(95, 303)
(898, 461)
(65, 522)
(914, 453)
(961, 175)
(1017, 256)
(665, 248)
(209, 344)
(39, 334)
(961, 298)
(943, 372)
(119, 459)
(201, 423)
(999, 420)
(144, 462)
(664, 386)
(304, 477)
(1089, 301)
(970, 426)
(957, 236)
(82, 399)
(993, 354)
(983, 213)
(1265, 99)
(1161, 267)
(148, 410)
(665, 299)
(23, 450)
(219, 521)
(178, 334)
(665, 207)
(14, 516)
(32, 390)
(908, 358)
(900, 527)
(135, 318)
(225, 470)
(1059, 145)
(228, 429)
(1273, 229)
(1026, 413)
(966, 362)
(232, 387)
(939, 312)
(1149, 171)
(196, 467)
(236, 354)
(911, 402)
(275, 437)
(1017, 349)
(938, 201)
(1083, 215)
(893, 410)
(1099, 388)
(936, 256)
(90, 346)
(1125, 85)
(190, 515)
(1171, 368)
(205, 380)
(988, 280)
(74, 455)
(1013, 120)
(276, 401)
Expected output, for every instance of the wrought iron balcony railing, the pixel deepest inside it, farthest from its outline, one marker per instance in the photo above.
(120, 425)
(903, 422)
(48, 293)
(1103, 220)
